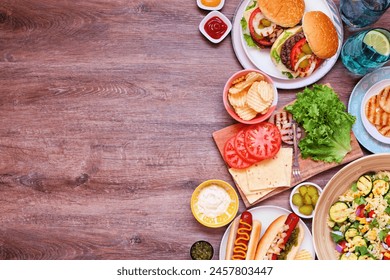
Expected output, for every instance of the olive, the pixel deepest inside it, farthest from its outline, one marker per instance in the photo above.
(311, 190)
(302, 190)
(265, 22)
(297, 199)
(306, 49)
(306, 209)
(307, 199)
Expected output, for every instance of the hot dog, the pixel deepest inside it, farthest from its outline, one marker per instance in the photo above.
(243, 238)
(281, 240)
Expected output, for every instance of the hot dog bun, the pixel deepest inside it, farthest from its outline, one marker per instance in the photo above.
(253, 241)
(271, 233)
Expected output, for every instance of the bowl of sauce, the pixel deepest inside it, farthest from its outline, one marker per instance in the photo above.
(210, 5)
(215, 26)
(202, 250)
(214, 203)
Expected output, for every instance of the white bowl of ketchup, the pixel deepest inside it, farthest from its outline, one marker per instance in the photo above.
(215, 26)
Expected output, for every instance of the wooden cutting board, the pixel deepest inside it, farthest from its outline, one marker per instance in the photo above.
(308, 167)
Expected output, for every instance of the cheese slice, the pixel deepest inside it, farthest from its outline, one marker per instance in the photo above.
(271, 173)
(241, 179)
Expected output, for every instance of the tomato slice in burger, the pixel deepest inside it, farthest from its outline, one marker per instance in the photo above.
(263, 140)
(262, 41)
(301, 48)
(231, 156)
(296, 51)
(239, 144)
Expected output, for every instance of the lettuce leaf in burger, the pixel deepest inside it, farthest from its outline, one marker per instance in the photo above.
(299, 51)
(263, 20)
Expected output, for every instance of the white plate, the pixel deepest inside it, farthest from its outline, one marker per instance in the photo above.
(355, 103)
(267, 214)
(263, 60)
(371, 129)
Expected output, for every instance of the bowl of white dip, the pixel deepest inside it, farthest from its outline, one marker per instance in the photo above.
(214, 203)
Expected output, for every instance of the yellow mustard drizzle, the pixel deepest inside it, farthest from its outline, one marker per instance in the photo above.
(240, 248)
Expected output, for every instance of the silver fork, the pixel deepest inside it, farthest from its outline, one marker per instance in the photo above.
(295, 166)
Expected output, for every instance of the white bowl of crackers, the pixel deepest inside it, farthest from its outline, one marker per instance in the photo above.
(375, 111)
(250, 96)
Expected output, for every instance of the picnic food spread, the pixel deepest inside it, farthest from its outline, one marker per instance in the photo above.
(258, 149)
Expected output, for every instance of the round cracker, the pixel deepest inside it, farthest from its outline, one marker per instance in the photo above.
(254, 99)
(245, 112)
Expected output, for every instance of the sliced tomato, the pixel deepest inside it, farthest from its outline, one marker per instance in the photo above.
(387, 240)
(295, 51)
(231, 156)
(262, 41)
(239, 145)
(371, 214)
(263, 140)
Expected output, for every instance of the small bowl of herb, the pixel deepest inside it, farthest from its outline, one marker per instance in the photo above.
(202, 250)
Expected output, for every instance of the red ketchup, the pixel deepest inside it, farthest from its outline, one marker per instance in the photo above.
(215, 27)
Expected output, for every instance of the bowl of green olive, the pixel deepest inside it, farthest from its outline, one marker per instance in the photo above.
(303, 199)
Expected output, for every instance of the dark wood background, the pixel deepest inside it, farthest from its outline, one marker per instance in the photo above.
(107, 110)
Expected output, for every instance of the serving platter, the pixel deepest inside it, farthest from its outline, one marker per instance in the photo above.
(337, 185)
(266, 215)
(260, 59)
(354, 108)
(308, 167)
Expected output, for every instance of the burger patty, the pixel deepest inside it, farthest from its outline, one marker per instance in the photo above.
(287, 47)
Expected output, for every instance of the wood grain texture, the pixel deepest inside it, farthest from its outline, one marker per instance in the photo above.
(107, 111)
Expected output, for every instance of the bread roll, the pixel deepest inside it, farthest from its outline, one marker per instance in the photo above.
(320, 34)
(286, 13)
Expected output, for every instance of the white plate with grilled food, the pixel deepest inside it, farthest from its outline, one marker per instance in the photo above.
(375, 119)
(354, 108)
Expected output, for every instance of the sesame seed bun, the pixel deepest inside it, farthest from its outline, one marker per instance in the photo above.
(320, 34)
(286, 13)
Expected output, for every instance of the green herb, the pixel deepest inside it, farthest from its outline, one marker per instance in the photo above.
(336, 237)
(387, 210)
(249, 41)
(288, 74)
(374, 224)
(383, 233)
(354, 187)
(359, 200)
(361, 250)
(326, 123)
(244, 24)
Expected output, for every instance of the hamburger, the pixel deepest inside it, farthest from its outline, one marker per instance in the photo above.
(299, 51)
(263, 20)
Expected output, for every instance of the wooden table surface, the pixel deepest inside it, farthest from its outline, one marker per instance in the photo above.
(107, 112)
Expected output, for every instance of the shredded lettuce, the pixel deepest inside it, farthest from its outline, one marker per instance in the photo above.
(288, 74)
(251, 6)
(244, 24)
(326, 123)
(249, 41)
(275, 55)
